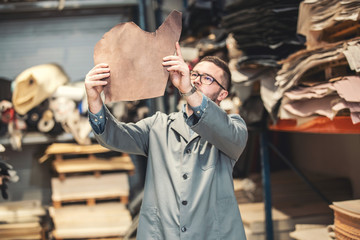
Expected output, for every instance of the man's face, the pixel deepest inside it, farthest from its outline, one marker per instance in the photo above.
(212, 91)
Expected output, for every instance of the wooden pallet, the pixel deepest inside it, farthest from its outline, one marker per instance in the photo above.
(90, 189)
(92, 164)
(71, 148)
(105, 220)
(21, 220)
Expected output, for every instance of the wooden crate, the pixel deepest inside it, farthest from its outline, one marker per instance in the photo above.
(92, 164)
(89, 189)
(60, 149)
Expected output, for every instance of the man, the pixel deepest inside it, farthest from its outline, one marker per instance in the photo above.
(189, 190)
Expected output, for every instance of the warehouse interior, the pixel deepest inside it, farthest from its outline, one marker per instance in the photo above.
(295, 81)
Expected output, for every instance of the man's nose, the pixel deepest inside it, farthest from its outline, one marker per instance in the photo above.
(197, 81)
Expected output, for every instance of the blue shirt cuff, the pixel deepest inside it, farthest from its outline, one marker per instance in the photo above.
(98, 120)
(199, 110)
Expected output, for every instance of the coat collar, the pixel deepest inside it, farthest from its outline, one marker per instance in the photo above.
(179, 125)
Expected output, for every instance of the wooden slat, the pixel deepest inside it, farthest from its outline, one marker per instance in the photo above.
(72, 148)
(21, 211)
(13, 230)
(94, 164)
(23, 237)
(78, 188)
(19, 225)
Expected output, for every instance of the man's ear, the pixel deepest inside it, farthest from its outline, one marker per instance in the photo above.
(223, 94)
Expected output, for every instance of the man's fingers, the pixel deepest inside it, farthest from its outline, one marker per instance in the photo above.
(100, 65)
(178, 50)
(92, 84)
(171, 63)
(99, 71)
(175, 68)
(172, 58)
(95, 76)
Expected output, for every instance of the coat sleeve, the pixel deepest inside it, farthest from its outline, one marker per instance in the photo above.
(131, 138)
(227, 132)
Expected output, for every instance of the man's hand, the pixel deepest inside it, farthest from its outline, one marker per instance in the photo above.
(179, 70)
(94, 85)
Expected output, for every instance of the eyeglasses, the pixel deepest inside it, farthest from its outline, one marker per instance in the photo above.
(204, 78)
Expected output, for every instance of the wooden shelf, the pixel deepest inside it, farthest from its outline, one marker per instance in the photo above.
(31, 138)
(339, 125)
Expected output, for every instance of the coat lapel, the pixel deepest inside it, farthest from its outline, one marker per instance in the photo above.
(179, 125)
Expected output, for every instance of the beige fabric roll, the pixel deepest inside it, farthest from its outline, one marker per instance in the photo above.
(36, 84)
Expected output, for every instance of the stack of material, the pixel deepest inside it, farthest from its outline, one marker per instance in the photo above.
(101, 220)
(260, 33)
(323, 79)
(320, 83)
(284, 220)
(347, 219)
(288, 208)
(328, 21)
(264, 30)
(312, 232)
(94, 187)
(22, 220)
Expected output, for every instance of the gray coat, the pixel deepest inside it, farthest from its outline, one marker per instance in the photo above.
(189, 191)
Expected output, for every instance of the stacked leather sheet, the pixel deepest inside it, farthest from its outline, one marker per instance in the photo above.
(328, 21)
(260, 34)
(320, 82)
(347, 219)
(264, 30)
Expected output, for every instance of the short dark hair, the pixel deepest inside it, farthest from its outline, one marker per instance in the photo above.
(221, 64)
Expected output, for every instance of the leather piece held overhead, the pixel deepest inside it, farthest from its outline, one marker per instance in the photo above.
(135, 59)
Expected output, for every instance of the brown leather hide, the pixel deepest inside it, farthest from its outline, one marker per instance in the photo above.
(135, 59)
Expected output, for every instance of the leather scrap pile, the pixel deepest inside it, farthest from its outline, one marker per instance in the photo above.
(264, 30)
(328, 21)
(347, 219)
(260, 34)
(322, 80)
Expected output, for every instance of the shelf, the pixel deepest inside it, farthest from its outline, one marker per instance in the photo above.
(339, 125)
(33, 6)
(40, 138)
